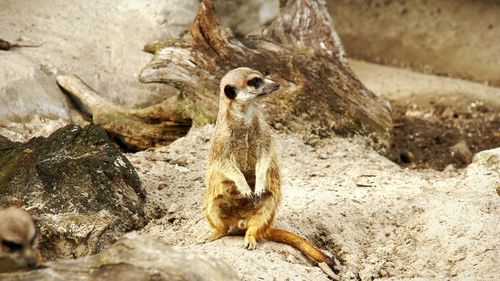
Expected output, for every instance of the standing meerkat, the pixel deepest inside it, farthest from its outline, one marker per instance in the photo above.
(17, 240)
(243, 178)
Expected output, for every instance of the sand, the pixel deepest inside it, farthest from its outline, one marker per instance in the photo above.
(380, 220)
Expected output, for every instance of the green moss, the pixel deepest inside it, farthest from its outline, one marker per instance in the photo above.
(10, 163)
(155, 46)
(197, 114)
(489, 159)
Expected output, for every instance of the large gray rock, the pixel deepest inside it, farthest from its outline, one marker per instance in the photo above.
(80, 188)
(132, 260)
(245, 16)
(108, 59)
(31, 103)
(102, 44)
(25, 90)
(490, 160)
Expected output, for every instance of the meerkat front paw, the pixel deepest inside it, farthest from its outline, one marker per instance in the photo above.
(250, 242)
(249, 195)
(256, 198)
(259, 191)
(246, 191)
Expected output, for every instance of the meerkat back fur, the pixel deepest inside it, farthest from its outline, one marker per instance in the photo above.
(243, 182)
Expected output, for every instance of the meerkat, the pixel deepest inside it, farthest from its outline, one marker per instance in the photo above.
(243, 183)
(18, 237)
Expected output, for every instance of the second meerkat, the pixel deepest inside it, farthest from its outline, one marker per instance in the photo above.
(18, 240)
(243, 177)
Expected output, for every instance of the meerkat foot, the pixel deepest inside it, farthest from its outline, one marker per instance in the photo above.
(250, 242)
(214, 236)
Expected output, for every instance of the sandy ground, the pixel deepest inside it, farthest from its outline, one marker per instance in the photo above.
(382, 221)
(402, 84)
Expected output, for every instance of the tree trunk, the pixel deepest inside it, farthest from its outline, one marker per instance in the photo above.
(319, 94)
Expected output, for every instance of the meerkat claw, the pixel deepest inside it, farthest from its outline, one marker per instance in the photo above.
(256, 199)
(250, 243)
(250, 196)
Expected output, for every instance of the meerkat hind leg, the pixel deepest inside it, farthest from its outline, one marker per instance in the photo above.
(215, 235)
(259, 223)
(219, 227)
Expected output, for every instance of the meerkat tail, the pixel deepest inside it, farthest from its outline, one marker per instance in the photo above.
(299, 243)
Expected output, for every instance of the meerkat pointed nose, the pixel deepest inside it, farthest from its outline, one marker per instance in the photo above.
(274, 87)
(31, 262)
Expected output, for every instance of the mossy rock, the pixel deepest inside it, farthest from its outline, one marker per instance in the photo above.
(75, 173)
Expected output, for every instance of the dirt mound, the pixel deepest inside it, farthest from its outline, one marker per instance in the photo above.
(438, 121)
(437, 135)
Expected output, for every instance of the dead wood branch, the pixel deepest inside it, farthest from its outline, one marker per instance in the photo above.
(319, 96)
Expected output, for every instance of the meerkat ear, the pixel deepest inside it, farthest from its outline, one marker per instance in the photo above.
(230, 92)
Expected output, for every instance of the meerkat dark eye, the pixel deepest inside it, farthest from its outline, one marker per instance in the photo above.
(255, 82)
(230, 92)
(12, 246)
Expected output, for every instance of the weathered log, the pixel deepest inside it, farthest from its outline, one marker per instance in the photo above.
(300, 49)
(319, 96)
(131, 259)
(135, 129)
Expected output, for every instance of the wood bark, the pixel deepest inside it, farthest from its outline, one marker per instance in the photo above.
(319, 96)
(130, 259)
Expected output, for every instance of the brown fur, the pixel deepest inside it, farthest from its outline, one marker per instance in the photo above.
(243, 178)
(18, 235)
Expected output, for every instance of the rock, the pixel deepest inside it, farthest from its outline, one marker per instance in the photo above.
(247, 16)
(132, 260)
(489, 159)
(323, 156)
(25, 90)
(31, 103)
(80, 188)
(461, 151)
(175, 16)
(4, 141)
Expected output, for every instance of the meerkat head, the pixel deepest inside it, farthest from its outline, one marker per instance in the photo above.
(17, 240)
(244, 85)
